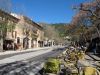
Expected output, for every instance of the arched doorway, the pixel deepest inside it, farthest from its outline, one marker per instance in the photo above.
(26, 43)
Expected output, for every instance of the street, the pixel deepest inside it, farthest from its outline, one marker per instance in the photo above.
(26, 63)
(49, 37)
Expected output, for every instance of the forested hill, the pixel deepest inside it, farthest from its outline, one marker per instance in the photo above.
(61, 28)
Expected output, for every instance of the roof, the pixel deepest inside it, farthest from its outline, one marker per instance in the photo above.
(33, 23)
(8, 16)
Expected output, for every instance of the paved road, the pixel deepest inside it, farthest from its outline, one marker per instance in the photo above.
(10, 54)
(27, 66)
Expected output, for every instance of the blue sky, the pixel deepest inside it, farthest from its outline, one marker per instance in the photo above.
(48, 11)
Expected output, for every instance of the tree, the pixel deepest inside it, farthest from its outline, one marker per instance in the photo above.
(88, 15)
(51, 33)
(60, 28)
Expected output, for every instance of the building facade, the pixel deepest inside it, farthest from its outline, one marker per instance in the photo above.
(7, 26)
(20, 32)
(29, 33)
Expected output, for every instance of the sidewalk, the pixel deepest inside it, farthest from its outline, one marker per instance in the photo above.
(21, 51)
(24, 55)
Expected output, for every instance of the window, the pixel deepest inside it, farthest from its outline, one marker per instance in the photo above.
(15, 34)
(18, 40)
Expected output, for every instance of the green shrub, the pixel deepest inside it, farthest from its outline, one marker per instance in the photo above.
(52, 66)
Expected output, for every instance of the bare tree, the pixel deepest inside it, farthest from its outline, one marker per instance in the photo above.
(89, 13)
(51, 33)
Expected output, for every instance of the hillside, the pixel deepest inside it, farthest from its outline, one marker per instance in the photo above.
(61, 28)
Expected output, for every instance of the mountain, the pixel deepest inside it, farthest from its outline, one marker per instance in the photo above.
(61, 28)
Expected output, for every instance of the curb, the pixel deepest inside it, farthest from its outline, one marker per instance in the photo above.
(96, 58)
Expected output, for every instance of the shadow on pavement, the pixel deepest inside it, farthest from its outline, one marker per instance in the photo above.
(18, 68)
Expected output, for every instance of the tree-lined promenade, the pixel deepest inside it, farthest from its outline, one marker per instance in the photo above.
(31, 47)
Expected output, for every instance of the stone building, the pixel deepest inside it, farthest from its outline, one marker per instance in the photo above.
(36, 33)
(29, 33)
(19, 32)
(7, 26)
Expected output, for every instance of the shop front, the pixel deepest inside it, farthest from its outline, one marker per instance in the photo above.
(8, 44)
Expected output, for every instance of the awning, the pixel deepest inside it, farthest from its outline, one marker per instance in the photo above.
(9, 39)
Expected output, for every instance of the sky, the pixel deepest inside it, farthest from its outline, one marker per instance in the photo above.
(47, 11)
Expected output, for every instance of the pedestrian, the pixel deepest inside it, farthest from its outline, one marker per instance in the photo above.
(8, 46)
(12, 44)
(15, 46)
